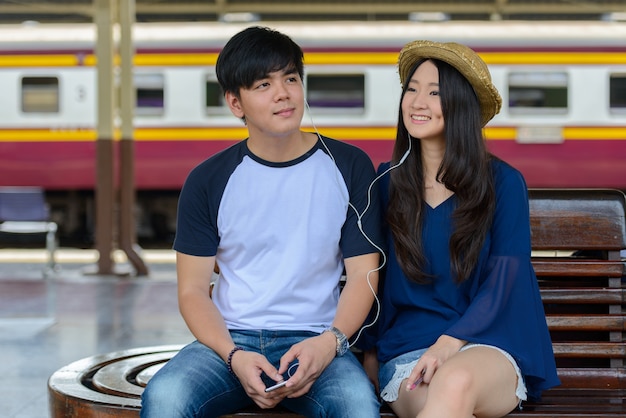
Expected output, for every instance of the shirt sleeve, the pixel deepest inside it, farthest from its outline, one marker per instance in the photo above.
(361, 231)
(506, 308)
(198, 204)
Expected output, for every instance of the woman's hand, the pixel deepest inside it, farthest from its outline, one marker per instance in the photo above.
(444, 348)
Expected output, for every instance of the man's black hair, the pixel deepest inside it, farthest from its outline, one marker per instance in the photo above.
(253, 54)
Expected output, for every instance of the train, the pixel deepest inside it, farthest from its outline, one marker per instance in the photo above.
(563, 121)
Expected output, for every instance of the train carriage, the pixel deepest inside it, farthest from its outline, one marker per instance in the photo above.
(563, 122)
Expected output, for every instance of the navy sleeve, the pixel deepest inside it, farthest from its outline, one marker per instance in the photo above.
(198, 205)
(361, 232)
(508, 292)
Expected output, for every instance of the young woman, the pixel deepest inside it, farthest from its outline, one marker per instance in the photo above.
(462, 331)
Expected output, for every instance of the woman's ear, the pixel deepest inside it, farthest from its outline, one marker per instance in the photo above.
(234, 103)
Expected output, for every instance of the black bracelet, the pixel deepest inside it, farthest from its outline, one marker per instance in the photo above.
(229, 362)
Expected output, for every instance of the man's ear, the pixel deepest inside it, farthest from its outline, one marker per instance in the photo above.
(234, 103)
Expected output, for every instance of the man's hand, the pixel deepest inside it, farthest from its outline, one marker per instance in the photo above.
(248, 366)
(313, 356)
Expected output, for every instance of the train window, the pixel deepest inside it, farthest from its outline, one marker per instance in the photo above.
(618, 93)
(537, 92)
(150, 94)
(336, 91)
(40, 94)
(214, 98)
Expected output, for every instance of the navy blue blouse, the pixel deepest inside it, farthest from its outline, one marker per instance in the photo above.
(499, 304)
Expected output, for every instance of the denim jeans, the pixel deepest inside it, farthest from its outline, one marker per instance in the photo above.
(196, 382)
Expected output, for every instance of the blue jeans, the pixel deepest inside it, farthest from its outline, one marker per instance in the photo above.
(196, 382)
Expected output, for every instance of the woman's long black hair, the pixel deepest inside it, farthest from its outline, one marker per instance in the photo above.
(465, 170)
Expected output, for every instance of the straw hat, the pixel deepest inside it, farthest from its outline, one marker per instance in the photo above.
(465, 60)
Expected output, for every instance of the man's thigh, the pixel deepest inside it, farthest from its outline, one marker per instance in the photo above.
(342, 390)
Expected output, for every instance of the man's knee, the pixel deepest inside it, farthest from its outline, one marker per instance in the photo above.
(162, 397)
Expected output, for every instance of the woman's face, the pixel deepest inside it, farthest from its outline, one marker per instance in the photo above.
(421, 105)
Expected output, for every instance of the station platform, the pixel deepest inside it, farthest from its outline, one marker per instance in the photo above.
(49, 322)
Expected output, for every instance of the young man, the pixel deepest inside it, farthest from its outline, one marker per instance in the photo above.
(282, 213)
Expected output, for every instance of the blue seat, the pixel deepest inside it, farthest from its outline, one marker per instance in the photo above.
(23, 210)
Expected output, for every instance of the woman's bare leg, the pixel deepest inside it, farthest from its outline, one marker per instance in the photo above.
(478, 382)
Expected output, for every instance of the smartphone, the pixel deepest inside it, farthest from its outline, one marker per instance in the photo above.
(276, 386)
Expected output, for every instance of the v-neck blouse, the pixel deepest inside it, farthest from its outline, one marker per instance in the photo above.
(499, 304)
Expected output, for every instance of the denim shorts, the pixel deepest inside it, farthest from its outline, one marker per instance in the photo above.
(392, 373)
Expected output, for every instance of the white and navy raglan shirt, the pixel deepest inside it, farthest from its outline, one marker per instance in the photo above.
(280, 231)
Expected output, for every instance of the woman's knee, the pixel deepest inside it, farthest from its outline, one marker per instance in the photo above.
(457, 385)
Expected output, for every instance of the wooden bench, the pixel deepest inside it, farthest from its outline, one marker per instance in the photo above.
(577, 236)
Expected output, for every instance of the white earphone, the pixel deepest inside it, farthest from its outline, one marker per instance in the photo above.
(360, 216)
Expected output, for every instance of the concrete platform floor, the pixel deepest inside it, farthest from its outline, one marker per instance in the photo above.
(47, 323)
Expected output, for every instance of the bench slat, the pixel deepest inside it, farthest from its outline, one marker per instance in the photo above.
(592, 378)
(605, 296)
(585, 322)
(590, 350)
(579, 268)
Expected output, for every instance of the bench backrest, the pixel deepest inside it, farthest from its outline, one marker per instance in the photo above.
(577, 219)
(582, 283)
(23, 204)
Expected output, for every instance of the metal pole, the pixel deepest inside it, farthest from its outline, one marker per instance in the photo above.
(127, 231)
(104, 192)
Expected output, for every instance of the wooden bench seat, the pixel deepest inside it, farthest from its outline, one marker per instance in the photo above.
(577, 236)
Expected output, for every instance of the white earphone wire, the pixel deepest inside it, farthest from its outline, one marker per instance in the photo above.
(360, 216)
